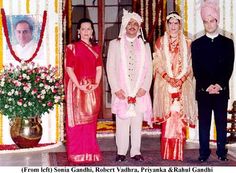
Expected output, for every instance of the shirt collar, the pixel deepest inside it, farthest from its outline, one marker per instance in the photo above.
(212, 36)
(130, 39)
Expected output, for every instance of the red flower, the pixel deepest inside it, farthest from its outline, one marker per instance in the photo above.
(131, 100)
(50, 104)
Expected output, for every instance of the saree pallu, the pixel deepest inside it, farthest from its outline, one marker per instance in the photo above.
(82, 112)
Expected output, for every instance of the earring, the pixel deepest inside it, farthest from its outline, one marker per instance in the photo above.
(78, 35)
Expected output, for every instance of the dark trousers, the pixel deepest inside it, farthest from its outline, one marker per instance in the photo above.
(218, 104)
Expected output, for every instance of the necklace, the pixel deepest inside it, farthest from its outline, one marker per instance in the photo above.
(168, 56)
(174, 43)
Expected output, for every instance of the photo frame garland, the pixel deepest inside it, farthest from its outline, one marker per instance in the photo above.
(5, 29)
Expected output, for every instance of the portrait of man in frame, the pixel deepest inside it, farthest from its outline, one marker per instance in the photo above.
(24, 35)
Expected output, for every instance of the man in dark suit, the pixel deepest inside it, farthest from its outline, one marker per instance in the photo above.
(212, 61)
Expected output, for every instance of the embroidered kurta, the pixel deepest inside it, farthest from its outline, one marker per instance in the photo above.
(174, 107)
(117, 76)
(82, 109)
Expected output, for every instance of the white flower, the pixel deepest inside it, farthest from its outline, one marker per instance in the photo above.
(25, 105)
(48, 78)
(41, 85)
(43, 92)
(2, 83)
(24, 76)
(27, 89)
(47, 87)
(19, 103)
(42, 76)
(6, 106)
(57, 98)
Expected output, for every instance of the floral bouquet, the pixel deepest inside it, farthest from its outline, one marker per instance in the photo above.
(28, 90)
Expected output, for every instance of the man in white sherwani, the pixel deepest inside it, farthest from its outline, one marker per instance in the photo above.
(129, 71)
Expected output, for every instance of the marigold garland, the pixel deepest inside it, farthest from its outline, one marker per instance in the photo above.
(186, 17)
(28, 6)
(4, 23)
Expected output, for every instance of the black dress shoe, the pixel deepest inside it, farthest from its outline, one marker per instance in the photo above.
(120, 158)
(202, 159)
(223, 158)
(138, 158)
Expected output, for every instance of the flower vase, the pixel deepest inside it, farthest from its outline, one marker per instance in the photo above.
(26, 133)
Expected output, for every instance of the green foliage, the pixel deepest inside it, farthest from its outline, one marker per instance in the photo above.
(28, 90)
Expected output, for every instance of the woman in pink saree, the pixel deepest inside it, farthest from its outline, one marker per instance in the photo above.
(83, 66)
(174, 102)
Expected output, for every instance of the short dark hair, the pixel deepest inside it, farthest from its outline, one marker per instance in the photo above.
(24, 21)
(87, 20)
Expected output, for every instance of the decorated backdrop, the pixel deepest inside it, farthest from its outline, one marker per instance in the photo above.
(46, 17)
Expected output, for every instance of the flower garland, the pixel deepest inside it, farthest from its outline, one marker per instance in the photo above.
(131, 92)
(4, 23)
(186, 16)
(168, 56)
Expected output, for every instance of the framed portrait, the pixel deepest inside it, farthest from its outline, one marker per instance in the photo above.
(23, 36)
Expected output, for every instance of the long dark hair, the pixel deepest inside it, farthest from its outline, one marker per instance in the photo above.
(87, 20)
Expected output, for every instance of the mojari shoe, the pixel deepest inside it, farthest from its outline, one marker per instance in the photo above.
(120, 158)
(223, 158)
(202, 159)
(138, 158)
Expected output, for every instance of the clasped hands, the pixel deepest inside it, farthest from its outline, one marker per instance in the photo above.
(87, 87)
(121, 94)
(214, 89)
(177, 83)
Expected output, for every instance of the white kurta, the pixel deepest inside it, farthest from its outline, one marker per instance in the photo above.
(116, 76)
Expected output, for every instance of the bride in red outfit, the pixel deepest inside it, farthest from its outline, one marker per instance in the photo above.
(83, 66)
(174, 97)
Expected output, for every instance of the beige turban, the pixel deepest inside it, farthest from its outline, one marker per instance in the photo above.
(210, 8)
(126, 18)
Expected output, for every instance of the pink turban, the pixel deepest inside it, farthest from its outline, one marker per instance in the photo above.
(210, 8)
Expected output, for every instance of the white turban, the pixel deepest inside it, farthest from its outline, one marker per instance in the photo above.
(127, 16)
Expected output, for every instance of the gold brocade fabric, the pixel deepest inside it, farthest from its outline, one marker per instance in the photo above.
(83, 158)
(162, 98)
(172, 149)
(82, 107)
(173, 138)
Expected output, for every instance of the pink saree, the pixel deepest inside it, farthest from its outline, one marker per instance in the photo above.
(82, 109)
